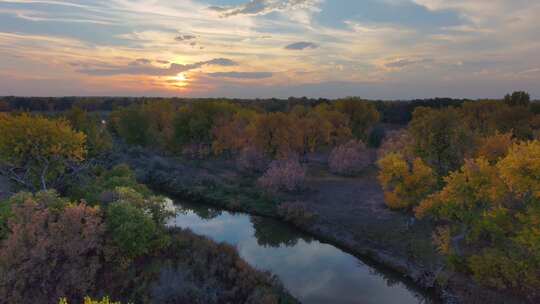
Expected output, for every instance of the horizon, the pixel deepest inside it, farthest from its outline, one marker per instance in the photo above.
(376, 49)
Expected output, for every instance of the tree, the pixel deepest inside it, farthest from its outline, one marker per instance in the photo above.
(349, 159)
(132, 125)
(492, 213)
(405, 185)
(136, 223)
(37, 152)
(98, 138)
(440, 138)
(284, 175)
(362, 116)
(160, 115)
(231, 134)
(494, 147)
(518, 98)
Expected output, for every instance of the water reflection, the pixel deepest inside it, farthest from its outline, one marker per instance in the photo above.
(312, 271)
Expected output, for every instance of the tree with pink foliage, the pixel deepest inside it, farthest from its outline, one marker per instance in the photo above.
(284, 175)
(251, 160)
(349, 159)
(57, 248)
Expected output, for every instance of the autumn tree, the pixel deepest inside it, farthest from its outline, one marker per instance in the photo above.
(160, 115)
(494, 147)
(492, 213)
(350, 158)
(440, 138)
(362, 115)
(339, 124)
(405, 184)
(232, 134)
(37, 152)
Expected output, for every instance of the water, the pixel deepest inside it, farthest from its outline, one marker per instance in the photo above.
(312, 271)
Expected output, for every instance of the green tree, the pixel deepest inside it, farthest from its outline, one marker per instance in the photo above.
(518, 98)
(440, 138)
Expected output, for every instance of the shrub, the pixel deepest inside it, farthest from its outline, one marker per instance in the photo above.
(251, 160)
(59, 251)
(135, 224)
(396, 142)
(349, 159)
(287, 175)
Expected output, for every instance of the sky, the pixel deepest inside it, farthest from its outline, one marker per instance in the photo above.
(377, 49)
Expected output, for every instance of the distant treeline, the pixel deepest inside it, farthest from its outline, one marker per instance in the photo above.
(395, 112)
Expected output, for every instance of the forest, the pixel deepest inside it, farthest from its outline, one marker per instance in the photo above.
(444, 192)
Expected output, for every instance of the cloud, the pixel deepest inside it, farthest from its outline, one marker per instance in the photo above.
(143, 67)
(185, 37)
(297, 46)
(263, 7)
(398, 63)
(241, 75)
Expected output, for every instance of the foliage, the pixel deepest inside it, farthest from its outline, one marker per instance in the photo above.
(362, 115)
(518, 98)
(349, 159)
(98, 138)
(36, 152)
(232, 134)
(193, 124)
(494, 147)
(132, 125)
(100, 186)
(405, 184)
(57, 248)
(398, 141)
(251, 160)
(135, 224)
(440, 138)
(287, 175)
(493, 210)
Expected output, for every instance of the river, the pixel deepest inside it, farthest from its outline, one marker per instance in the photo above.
(313, 272)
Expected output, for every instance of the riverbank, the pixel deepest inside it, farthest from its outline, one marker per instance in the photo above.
(347, 212)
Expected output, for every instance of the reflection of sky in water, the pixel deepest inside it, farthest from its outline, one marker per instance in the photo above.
(313, 272)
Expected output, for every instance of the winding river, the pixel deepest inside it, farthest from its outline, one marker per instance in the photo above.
(314, 272)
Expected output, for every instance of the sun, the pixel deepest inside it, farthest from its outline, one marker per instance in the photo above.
(178, 81)
(181, 78)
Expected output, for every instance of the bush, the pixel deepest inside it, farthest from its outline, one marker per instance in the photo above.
(134, 225)
(349, 159)
(286, 175)
(396, 142)
(251, 160)
(57, 250)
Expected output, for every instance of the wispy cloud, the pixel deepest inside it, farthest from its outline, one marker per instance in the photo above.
(241, 75)
(144, 67)
(301, 46)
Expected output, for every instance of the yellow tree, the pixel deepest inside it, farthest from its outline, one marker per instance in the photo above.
(405, 184)
(492, 213)
(36, 151)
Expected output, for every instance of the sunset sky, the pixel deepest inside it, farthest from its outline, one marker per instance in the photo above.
(270, 48)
